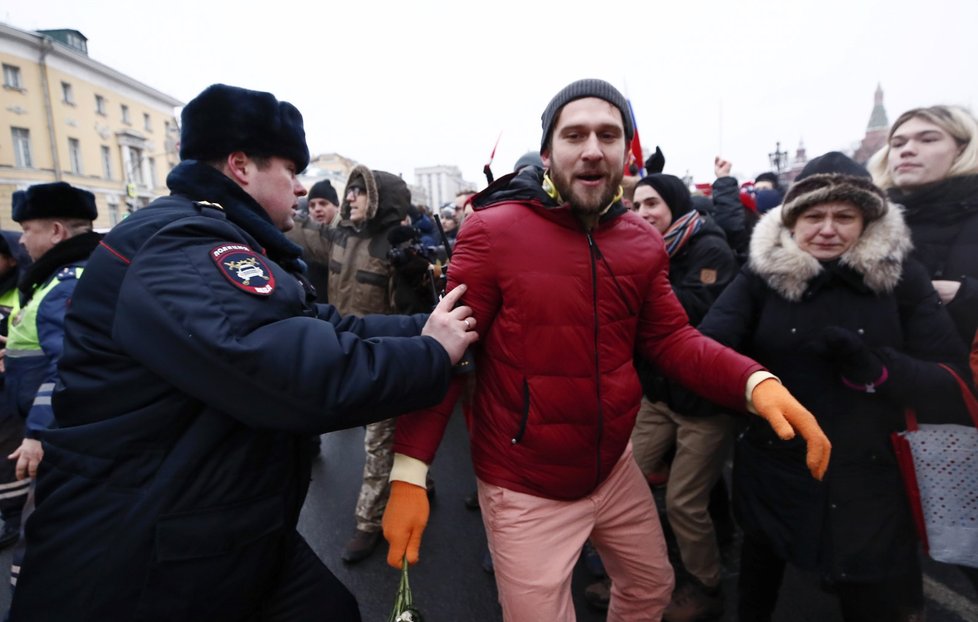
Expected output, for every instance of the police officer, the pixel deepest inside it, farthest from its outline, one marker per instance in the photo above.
(195, 369)
(13, 492)
(57, 234)
(57, 223)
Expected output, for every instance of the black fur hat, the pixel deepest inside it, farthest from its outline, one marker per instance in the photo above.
(55, 200)
(830, 188)
(323, 190)
(580, 90)
(16, 200)
(224, 119)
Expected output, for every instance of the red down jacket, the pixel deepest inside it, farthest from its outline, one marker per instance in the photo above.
(560, 314)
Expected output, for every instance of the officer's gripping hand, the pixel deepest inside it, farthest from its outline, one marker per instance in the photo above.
(404, 522)
(786, 416)
(452, 327)
(28, 457)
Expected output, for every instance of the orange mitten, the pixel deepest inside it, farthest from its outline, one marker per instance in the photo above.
(786, 416)
(404, 522)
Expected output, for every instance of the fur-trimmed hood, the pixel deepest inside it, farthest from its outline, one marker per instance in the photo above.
(388, 197)
(877, 255)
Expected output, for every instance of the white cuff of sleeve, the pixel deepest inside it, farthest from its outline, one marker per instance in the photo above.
(752, 381)
(408, 469)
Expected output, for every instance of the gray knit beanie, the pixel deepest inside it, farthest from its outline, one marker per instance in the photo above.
(579, 90)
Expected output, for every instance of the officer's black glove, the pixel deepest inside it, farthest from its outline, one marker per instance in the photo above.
(860, 367)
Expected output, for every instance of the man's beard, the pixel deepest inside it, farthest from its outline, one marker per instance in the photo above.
(588, 202)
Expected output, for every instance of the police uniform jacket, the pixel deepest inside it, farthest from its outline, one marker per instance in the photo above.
(194, 371)
(36, 330)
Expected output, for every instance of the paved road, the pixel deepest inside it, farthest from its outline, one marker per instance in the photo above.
(449, 584)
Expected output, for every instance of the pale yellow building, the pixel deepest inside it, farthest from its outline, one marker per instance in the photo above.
(66, 117)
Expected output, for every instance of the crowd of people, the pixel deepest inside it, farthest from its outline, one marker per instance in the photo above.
(606, 333)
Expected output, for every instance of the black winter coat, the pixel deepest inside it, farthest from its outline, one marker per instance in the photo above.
(856, 524)
(736, 220)
(698, 274)
(194, 372)
(943, 220)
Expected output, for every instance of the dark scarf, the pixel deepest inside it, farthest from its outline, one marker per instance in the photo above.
(201, 182)
(64, 253)
(947, 201)
(682, 231)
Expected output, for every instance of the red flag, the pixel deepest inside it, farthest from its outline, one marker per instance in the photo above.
(636, 162)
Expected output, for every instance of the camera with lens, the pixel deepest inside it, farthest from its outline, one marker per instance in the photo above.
(418, 275)
(406, 248)
(400, 255)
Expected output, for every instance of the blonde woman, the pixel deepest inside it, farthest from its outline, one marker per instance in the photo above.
(930, 166)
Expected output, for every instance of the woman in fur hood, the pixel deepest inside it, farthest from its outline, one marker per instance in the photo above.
(831, 304)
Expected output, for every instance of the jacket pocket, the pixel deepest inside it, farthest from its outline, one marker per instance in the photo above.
(215, 564)
(526, 412)
(217, 531)
(372, 278)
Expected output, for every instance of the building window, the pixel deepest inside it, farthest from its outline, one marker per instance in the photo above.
(151, 163)
(100, 105)
(77, 42)
(22, 147)
(74, 156)
(147, 123)
(106, 162)
(67, 94)
(113, 203)
(11, 77)
(134, 165)
(125, 115)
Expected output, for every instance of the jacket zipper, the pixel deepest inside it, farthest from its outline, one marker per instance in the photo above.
(614, 278)
(595, 254)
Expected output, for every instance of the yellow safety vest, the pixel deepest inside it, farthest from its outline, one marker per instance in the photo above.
(22, 339)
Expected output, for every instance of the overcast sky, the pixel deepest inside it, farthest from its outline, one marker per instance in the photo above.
(400, 85)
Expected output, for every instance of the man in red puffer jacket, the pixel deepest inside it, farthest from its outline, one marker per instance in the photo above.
(566, 285)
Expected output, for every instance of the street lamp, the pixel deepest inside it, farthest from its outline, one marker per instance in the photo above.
(778, 158)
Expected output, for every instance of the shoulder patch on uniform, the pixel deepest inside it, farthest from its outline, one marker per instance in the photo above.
(245, 268)
(708, 276)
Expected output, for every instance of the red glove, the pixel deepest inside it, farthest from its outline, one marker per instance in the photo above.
(786, 416)
(404, 522)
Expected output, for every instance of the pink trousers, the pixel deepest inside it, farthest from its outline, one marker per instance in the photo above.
(535, 543)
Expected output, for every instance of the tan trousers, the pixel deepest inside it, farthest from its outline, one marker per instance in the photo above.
(702, 445)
